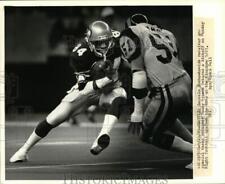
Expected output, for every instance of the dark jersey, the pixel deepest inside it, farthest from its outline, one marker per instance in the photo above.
(82, 57)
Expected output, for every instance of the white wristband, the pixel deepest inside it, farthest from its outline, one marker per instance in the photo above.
(103, 82)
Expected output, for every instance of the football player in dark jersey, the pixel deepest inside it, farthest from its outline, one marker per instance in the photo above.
(97, 60)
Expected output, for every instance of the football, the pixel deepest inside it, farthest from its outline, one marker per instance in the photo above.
(99, 69)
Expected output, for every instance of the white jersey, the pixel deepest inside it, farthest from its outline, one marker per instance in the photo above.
(154, 50)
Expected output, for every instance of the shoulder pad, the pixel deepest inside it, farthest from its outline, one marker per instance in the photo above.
(76, 47)
(130, 44)
(80, 49)
(82, 44)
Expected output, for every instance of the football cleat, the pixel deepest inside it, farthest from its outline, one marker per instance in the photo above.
(101, 144)
(189, 166)
(19, 156)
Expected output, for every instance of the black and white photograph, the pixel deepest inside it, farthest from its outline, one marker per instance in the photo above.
(98, 92)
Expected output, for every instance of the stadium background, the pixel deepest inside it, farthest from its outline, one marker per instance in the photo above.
(38, 41)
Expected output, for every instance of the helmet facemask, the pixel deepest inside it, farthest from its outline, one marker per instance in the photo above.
(101, 47)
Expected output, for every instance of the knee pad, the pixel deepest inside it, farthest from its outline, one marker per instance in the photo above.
(114, 108)
(163, 140)
(43, 128)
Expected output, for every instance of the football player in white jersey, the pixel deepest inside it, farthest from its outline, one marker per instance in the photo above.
(157, 72)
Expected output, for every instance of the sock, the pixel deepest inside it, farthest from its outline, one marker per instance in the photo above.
(108, 124)
(31, 141)
(41, 130)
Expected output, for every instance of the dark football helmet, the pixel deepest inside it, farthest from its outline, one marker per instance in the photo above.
(136, 19)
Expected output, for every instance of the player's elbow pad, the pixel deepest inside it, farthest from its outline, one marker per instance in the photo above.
(139, 93)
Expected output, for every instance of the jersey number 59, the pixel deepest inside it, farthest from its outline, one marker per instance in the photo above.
(160, 46)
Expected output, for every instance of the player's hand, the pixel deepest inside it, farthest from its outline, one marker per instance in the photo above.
(135, 127)
(136, 123)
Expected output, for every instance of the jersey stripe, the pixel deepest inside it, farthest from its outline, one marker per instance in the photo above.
(166, 120)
